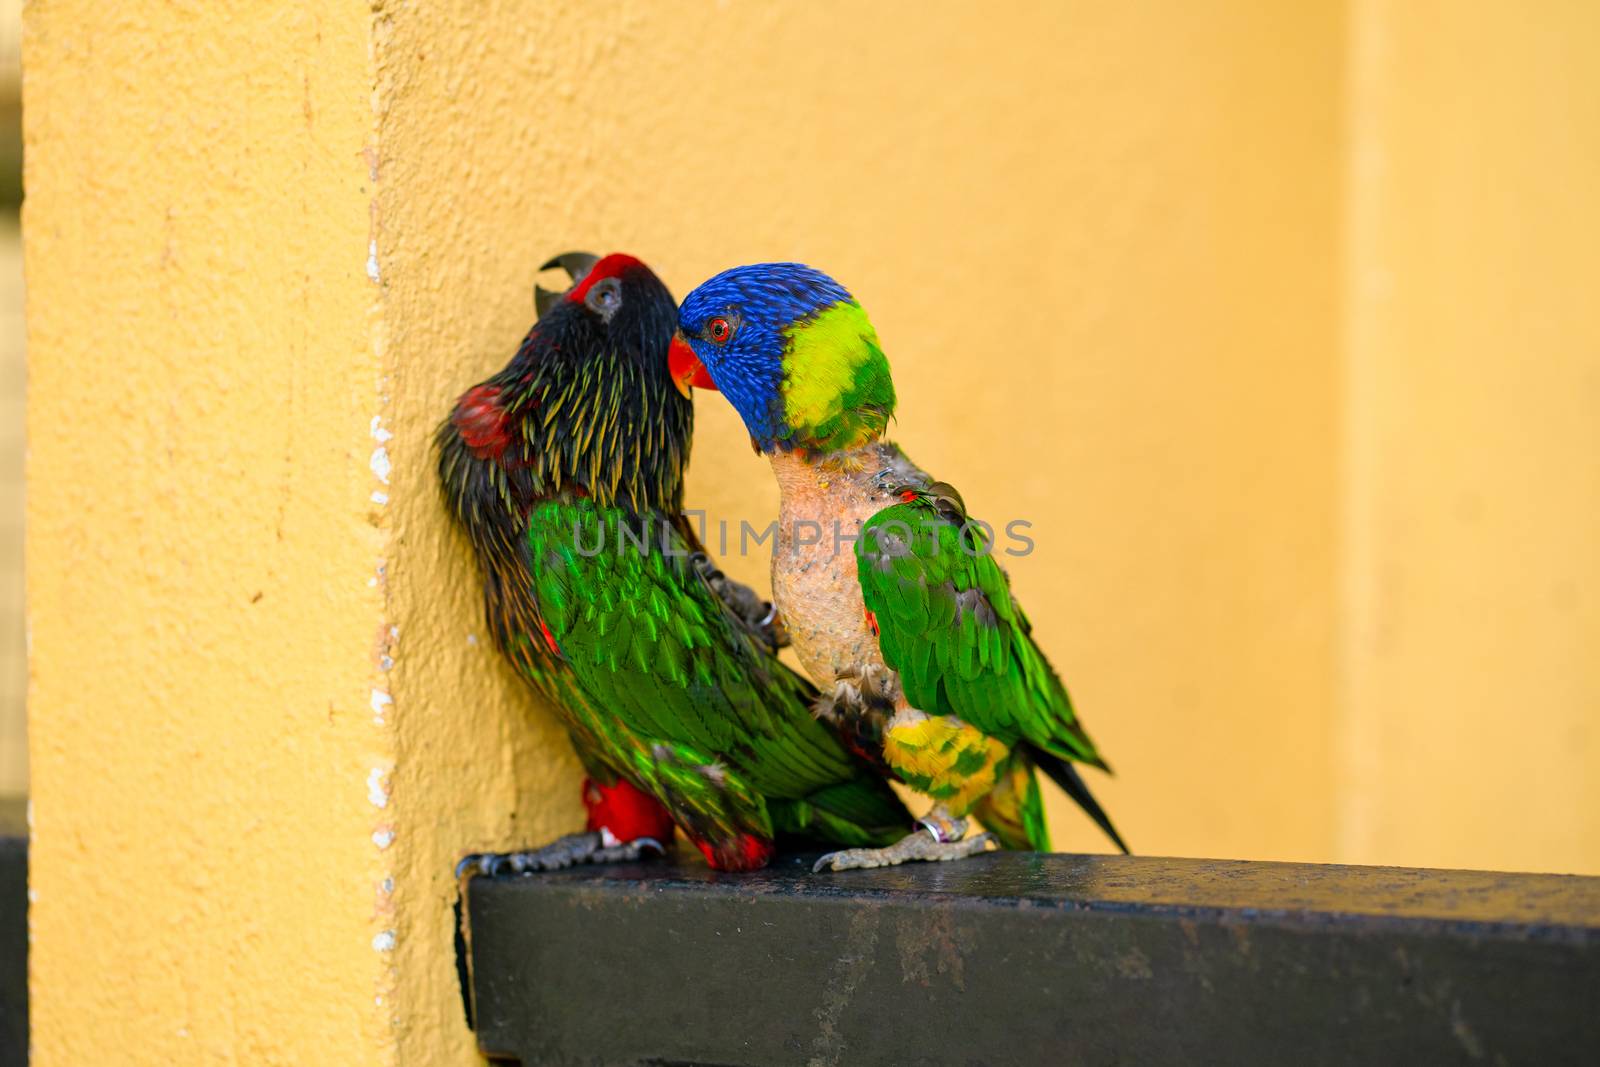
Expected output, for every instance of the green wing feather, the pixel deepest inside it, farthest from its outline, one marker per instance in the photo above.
(651, 644)
(947, 622)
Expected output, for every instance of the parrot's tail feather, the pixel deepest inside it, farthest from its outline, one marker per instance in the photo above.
(1014, 809)
(1067, 777)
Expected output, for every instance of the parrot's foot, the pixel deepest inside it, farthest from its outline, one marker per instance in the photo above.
(590, 847)
(921, 845)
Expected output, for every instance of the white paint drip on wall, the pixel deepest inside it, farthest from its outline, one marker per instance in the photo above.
(376, 793)
(379, 702)
(372, 260)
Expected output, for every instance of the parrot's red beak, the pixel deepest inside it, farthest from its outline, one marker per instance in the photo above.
(686, 368)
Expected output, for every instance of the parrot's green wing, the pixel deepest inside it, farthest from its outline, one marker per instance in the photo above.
(947, 622)
(651, 644)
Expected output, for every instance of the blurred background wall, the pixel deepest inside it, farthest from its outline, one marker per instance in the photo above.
(1469, 709)
(13, 386)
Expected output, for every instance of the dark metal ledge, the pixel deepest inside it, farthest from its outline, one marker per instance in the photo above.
(1016, 958)
(13, 931)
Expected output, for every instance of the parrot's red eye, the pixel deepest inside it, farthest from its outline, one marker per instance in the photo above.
(718, 330)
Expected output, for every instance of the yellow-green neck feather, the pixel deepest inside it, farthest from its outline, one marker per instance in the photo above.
(837, 389)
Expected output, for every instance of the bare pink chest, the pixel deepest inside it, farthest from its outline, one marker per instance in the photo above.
(814, 581)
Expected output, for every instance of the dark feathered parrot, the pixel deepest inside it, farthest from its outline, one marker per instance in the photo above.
(894, 601)
(565, 470)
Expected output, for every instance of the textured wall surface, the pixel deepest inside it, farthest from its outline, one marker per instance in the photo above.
(205, 640)
(1472, 716)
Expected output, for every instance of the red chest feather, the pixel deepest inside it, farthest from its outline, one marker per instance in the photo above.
(481, 421)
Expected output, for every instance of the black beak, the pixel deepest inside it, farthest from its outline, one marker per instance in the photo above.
(576, 264)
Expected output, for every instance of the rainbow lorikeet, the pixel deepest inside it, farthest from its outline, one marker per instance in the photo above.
(893, 599)
(565, 470)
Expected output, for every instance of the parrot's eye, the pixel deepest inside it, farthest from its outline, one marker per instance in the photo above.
(605, 296)
(718, 330)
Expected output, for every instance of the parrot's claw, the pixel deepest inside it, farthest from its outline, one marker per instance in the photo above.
(918, 846)
(628, 851)
(568, 851)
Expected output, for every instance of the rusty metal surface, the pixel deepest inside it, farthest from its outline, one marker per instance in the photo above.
(1015, 958)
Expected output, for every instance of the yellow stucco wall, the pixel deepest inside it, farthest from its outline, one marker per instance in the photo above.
(1471, 727)
(1105, 246)
(1098, 252)
(204, 638)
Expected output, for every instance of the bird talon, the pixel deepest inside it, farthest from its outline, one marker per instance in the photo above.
(568, 851)
(921, 845)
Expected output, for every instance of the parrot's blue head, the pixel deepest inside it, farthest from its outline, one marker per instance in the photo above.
(792, 351)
